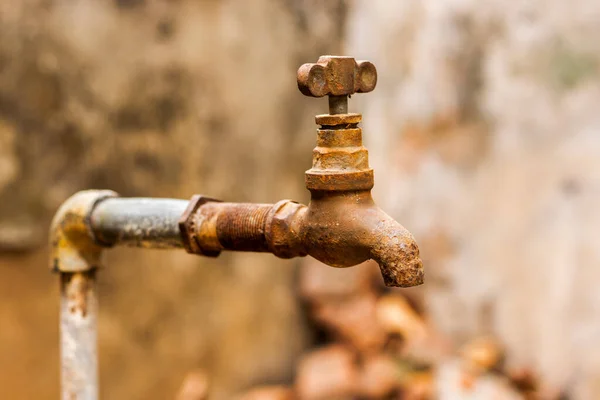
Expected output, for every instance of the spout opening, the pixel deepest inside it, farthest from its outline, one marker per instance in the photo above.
(397, 254)
(398, 275)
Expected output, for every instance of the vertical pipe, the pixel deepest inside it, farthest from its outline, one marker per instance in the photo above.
(78, 335)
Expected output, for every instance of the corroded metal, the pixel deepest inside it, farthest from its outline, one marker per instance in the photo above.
(78, 335)
(72, 245)
(336, 76)
(340, 161)
(138, 222)
(217, 226)
(342, 226)
(76, 255)
(187, 223)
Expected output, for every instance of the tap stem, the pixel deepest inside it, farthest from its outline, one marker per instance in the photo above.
(338, 105)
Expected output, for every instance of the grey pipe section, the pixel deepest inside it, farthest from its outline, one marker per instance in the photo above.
(87, 222)
(138, 222)
(78, 323)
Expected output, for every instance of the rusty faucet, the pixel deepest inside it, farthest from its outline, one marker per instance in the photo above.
(342, 226)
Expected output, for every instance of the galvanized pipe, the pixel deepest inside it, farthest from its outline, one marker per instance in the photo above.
(86, 223)
(78, 335)
(138, 222)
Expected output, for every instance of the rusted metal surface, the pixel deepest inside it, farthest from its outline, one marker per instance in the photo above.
(187, 224)
(217, 226)
(336, 76)
(340, 161)
(338, 120)
(345, 228)
(78, 335)
(138, 222)
(72, 247)
(341, 226)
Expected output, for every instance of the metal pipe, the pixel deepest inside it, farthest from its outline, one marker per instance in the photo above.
(85, 224)
(78, 352)
(138, 222)
(341, 226)
(338, 105)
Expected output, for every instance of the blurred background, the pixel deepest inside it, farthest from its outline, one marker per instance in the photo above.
(484, 133)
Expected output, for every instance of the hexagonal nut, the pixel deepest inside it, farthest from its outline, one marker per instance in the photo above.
(187, 225)
(282, 231)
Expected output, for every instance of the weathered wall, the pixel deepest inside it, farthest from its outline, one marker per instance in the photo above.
(154, 99)
(485, 134)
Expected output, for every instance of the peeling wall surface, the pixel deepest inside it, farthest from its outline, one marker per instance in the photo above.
(483, 132)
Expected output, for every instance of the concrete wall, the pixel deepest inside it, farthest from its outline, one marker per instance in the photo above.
(154, 99)
(483, 132)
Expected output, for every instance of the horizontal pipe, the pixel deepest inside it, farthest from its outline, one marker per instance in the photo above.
(138, 222)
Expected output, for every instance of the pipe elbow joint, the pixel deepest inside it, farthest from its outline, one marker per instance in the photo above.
(72, 244)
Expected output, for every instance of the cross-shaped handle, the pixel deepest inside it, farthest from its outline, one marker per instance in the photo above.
(337, 77)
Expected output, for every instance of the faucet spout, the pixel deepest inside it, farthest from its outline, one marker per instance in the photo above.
(396, 252)
(346, 228)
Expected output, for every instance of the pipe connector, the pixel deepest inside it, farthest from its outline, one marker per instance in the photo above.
(210, 226)
(72, 243)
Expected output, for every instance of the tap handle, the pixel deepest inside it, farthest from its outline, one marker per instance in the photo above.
(336, 76)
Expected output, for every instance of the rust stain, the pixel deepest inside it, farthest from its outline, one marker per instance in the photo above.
(77, 292)
(72, 244)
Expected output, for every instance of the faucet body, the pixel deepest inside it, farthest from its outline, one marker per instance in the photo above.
(348, 228)
(341, 226)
